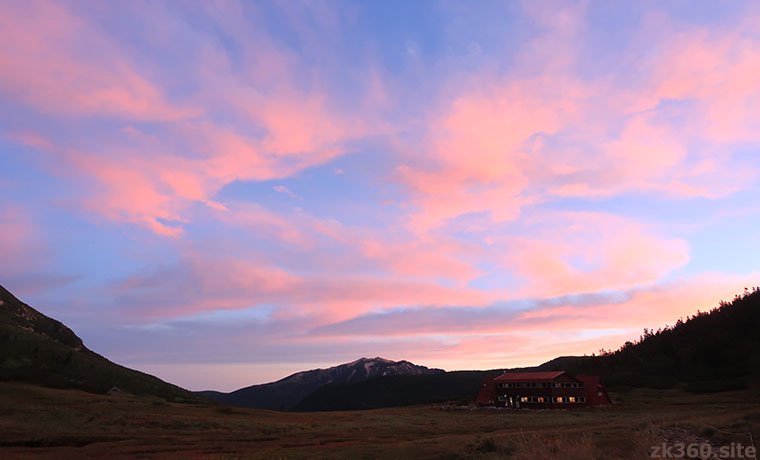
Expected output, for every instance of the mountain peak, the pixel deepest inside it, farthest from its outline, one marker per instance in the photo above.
(287, 392)
(375, 359)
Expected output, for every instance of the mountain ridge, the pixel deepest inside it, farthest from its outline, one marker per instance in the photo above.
(37, 349)
(711, 351)
(286, 393)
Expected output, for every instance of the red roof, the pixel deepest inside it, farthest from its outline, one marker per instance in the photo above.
(528, 376)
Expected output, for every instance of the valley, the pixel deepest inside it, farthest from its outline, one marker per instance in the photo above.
(60, 400)
(37, 422)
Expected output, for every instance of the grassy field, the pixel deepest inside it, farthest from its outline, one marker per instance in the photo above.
(39, 422)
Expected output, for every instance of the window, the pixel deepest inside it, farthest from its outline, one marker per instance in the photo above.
(559, 399)
(540, 399)
(582, 399)
(571, 399)
(523, 399)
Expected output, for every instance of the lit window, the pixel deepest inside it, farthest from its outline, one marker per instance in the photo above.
(523, 399)
(571, 399)
(559, 399)
(540, 399)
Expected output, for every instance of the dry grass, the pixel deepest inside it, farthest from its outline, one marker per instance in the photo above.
(45, 423)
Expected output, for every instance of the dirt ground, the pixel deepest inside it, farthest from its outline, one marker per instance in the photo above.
(62, 424)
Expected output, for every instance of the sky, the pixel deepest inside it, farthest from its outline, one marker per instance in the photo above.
(224, 193)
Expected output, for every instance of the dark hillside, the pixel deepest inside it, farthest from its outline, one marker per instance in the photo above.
(710, 351)
(40, 350)
(396, 390)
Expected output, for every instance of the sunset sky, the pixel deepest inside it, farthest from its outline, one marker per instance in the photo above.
(224, 193)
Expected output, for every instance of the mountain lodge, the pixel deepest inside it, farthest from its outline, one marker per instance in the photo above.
(541, 390)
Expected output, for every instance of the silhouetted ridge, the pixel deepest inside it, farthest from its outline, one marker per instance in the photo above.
(41, 350)
(15, 312)
(710, 351)
(286, 393)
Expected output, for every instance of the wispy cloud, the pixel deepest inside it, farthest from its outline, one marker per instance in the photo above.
(283, 189)
(519, 181)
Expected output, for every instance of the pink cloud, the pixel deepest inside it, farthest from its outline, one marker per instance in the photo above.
(284, 190)
(650, 307)
(149, 177)
(512, 337)
(592, 252)
(25, 256)
(50, 70)
(18, 233)
(145, 180)
(480, 158)
(352, 249)
(594, 314)
(206, 283)
(497, 144)
(720, 70)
